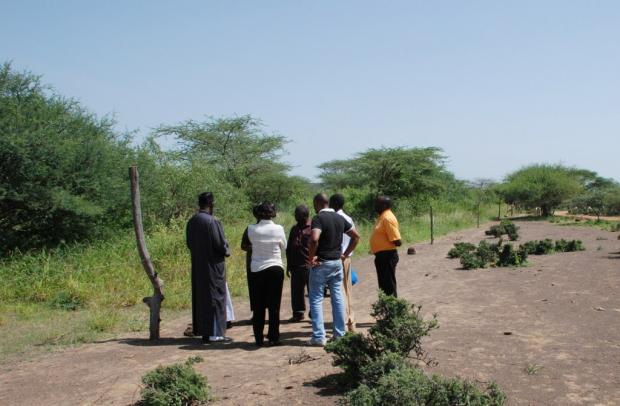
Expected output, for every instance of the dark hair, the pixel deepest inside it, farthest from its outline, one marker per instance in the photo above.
(205, 199)
(336, 201)
(266, 211)
(383, 203)
(320, 198)
(302, 213)
(255, 211)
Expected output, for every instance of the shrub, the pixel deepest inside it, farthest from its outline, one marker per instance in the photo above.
(529, 247)
(175, 385)
(472, 261)
(504, 227)
(568, 246)
(488, 252)
(67, 300)
(544, 247)
(509, 256)
(461, 248)
(399, 329)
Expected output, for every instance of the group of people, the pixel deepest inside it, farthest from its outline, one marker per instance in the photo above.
(318, 258)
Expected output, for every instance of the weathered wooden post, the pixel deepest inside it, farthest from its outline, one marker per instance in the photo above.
(432, 226)
(499, 209)
(478, 215)
(153, 302)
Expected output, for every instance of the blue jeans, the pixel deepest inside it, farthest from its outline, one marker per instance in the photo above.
(327, 273)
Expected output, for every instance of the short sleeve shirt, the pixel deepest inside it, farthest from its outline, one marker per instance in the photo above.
(332, 227)
(385, 233)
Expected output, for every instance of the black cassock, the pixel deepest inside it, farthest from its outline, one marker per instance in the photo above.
(208, 247)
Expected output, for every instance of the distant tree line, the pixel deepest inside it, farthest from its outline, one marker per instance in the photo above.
(63, 173)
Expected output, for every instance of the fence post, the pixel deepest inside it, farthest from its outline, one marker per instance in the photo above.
(478, 215)
(499, 209)
(432, 226)
(153, 302)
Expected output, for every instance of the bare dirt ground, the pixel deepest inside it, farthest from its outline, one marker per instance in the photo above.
(563, 313)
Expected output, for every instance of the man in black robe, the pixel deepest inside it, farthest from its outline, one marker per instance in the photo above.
(209, 248)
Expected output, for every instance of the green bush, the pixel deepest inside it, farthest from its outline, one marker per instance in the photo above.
(472, 261)
(504, 227)
(399, 329)
(379, 373)
(488, 252)
(461, 248)
(569, 246)
(67, 300)
(509, 256)
(175, 385)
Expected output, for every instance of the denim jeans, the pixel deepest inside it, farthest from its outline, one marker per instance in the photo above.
(327, 273)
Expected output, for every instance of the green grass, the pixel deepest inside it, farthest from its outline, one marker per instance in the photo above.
(601, 224)
(81, 293)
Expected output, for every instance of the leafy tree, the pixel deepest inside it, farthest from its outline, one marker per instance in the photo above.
(62, 170)
(599, 201)
(417, 174)
(543, 186)
(240, 150)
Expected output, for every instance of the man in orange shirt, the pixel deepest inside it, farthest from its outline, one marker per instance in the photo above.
(384, 240)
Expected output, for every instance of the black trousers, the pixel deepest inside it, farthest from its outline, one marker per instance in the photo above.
(385, 263)
(267, 296)
(299, 285)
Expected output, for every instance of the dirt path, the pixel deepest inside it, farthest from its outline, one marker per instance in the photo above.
(563, 312)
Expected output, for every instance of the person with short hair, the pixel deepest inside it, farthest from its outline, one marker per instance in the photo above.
(384, 241)
(267, 273)
(325, 256)
(336, 202)
(297, 267)
(208, 248)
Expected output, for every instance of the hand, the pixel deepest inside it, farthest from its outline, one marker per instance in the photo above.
(314, 261)
(343, 257)
(288, 272)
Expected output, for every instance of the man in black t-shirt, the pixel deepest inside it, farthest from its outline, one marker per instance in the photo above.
(325, 257)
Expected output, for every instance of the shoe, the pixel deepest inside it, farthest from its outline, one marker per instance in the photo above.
(316, 343)
(296, 319)
(229, 325)
(220, 339)
(189, 331)
(275, 343)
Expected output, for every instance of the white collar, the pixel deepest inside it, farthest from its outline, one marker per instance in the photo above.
(265, 221)
(326, 209)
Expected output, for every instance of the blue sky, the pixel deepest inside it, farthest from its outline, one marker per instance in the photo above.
(497, 85)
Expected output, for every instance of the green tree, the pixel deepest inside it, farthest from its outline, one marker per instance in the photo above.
(62, 170)
(543, 186)
(600, 201)
(242, 152)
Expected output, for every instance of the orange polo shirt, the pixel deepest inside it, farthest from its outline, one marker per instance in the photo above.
(385, 231)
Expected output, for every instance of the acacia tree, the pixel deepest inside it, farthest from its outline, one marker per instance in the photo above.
(543, 186)
(242, 152)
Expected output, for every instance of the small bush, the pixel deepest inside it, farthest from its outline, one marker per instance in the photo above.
(472, 261)
(175, 385)
(67, 300)
(461, 248)
(504, 227)
(488, 252)
(511, 257)
(569, 246)
(544, 247)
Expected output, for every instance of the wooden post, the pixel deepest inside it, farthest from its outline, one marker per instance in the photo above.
(432, 227)
(478, 215)
(153, 302)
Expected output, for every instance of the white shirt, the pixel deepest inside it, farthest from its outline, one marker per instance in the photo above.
(268, 241)
(345, 238)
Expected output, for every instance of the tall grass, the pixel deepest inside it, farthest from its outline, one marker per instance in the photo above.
(76, 293)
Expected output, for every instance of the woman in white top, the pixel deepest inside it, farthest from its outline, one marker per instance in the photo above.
(267, 272)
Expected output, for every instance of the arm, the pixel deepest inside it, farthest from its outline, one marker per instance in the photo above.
(314, 244)
(218, 240)
(355, 238)
(246, 244)
(393, 233)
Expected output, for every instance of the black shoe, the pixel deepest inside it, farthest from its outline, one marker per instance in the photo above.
(229, 324)
(296, 318)
(274, 343)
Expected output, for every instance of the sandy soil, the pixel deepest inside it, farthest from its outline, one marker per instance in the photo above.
(563, 313)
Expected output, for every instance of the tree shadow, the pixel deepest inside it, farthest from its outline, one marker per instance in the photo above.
(330, 385)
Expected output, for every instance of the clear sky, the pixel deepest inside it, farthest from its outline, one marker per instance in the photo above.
(496, 84)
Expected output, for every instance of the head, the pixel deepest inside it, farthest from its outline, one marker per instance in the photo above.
(382, 204)
(320, 202)
(255, 211)
(302, 213)
(205, 201)
(266, 211)
(336, 201)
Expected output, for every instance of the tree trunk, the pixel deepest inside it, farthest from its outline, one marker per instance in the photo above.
(153, 302)
(432, 227)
